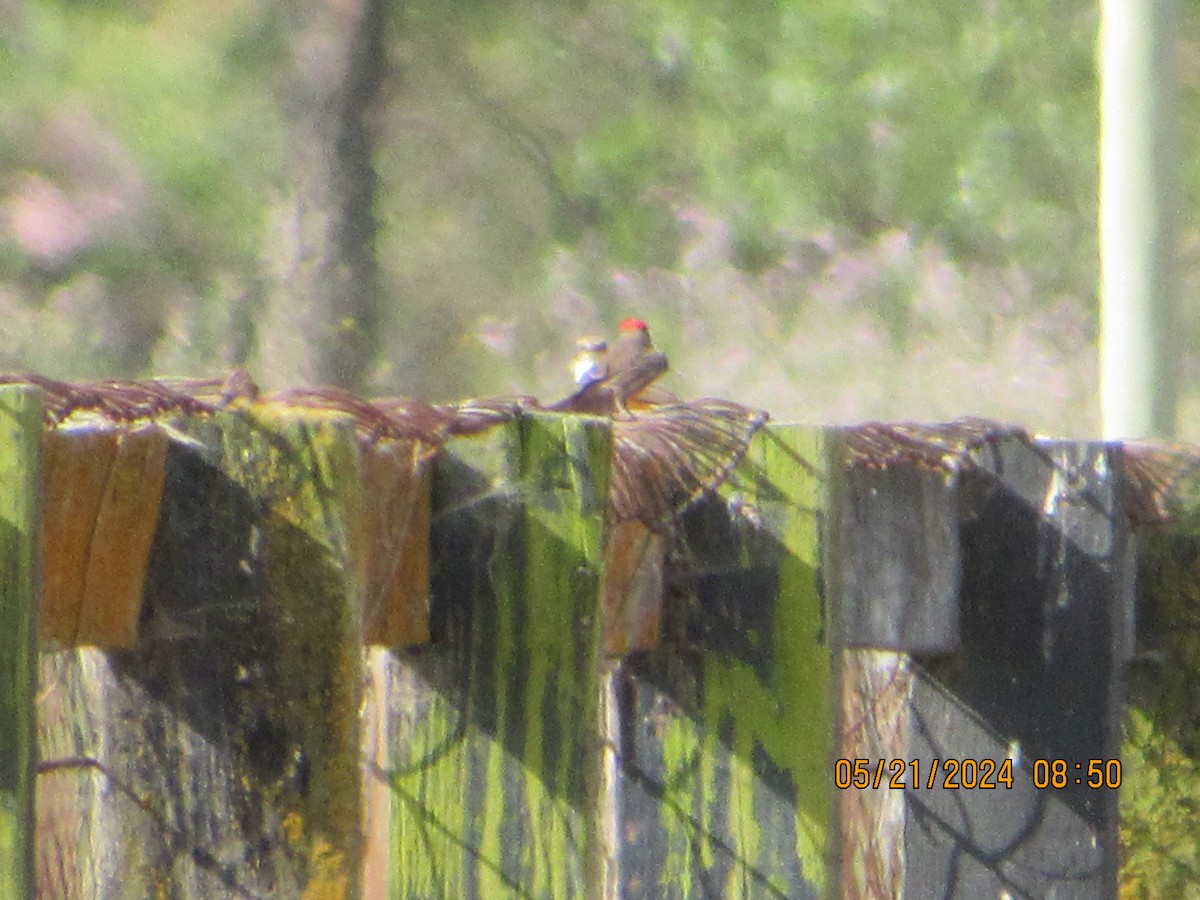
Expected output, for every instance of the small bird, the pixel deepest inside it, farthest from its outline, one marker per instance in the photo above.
(633, 362)
(666, 454)
(590, 363)
(610, 376)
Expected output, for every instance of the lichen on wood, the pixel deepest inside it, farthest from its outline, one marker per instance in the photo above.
(20, 514)
(487, 741)
(221, 755)
(728, 726)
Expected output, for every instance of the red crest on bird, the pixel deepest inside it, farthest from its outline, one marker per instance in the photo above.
(633, 325)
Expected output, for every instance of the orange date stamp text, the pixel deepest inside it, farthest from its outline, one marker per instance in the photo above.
(982, 774)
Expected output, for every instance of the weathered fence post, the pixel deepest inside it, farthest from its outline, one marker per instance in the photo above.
(1010, 577)
(219, 756)
(20, 516)
(726, 730)
(489, 740)
(311, 647)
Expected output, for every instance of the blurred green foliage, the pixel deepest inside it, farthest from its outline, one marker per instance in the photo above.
(136, 166)
(835, 210)
(1160, 791)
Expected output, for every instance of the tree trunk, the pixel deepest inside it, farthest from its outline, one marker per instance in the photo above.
(323, 298)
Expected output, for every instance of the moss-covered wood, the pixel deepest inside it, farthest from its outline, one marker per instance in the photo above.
(549, 704)
(20, 512)
(725, 731)
(487, 744)
(220, 757)
(1160, 800)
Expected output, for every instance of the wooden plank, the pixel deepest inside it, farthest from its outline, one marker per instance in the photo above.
(488, 742)
(725, 731)
(101, 489)
(220, 757)
(20, 478)
(894, 576)
(895, 559)
(875, 695)
(1047, 613)
(397, 486)
(75, 471)
(122, 535)
(633, 587)
(1045, 630)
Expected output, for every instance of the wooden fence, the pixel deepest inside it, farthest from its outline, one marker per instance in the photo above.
(245, 654)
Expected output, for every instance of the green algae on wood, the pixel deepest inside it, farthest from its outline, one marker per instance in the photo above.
(20, 460)
(725, 782)
(220, 757)
(488, 741)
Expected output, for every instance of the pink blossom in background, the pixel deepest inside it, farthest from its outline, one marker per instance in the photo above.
(496, 334)
(45, 223)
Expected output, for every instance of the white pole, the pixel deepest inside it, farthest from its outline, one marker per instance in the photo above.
(1138, 191)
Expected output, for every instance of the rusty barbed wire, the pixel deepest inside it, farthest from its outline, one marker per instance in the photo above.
(118, 401)
(668, 457)
(947, 446)
(1155, 471)
(667, 453)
